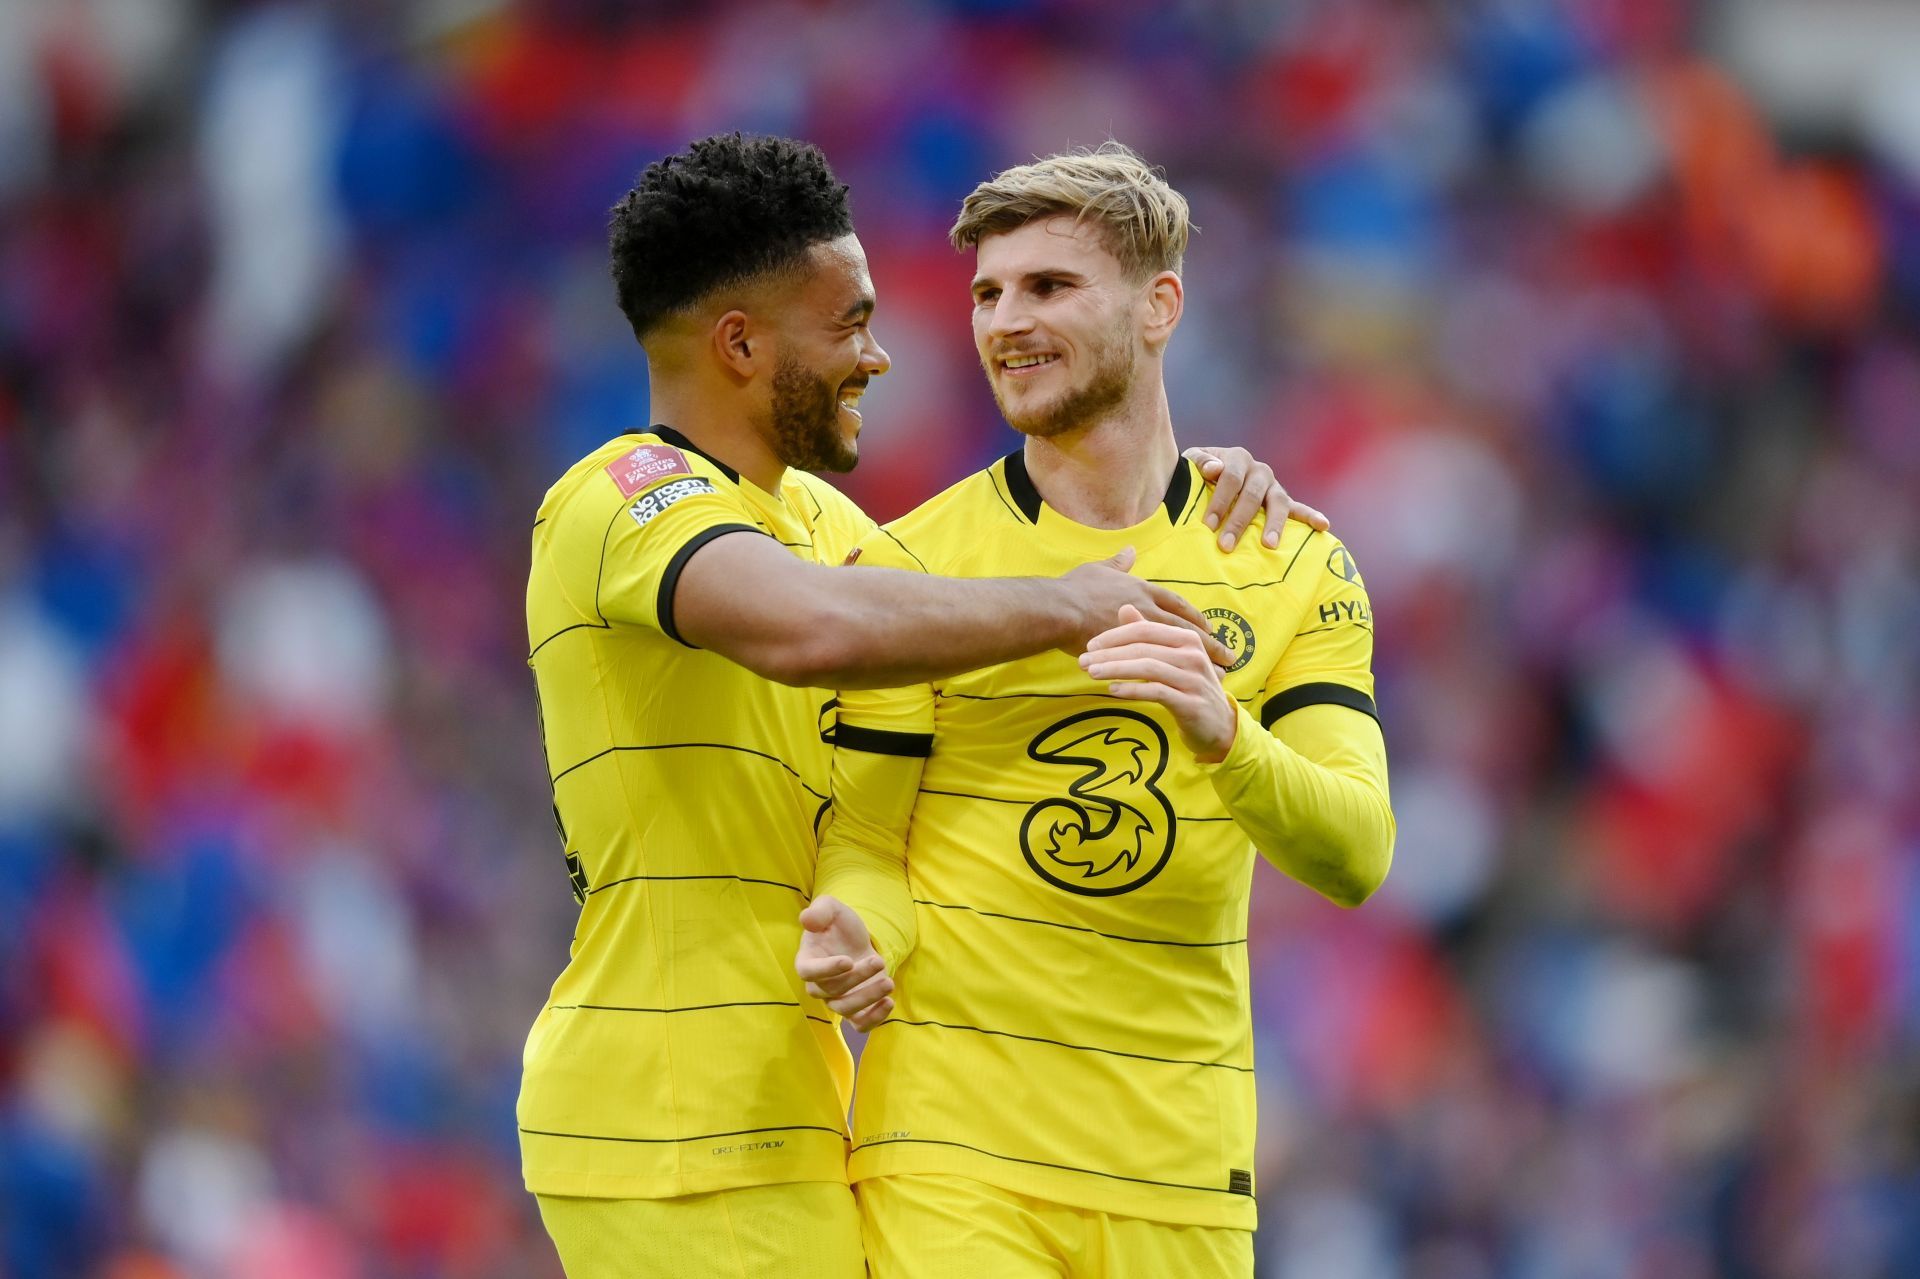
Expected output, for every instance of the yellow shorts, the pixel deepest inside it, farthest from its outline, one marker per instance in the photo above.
(797, 1230)
(939, 1227)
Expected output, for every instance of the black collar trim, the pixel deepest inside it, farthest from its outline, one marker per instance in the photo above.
(1027, 497)
(680, 441)
(1020, 486)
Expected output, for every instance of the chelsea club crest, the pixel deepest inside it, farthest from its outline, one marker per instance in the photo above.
(1232, 630)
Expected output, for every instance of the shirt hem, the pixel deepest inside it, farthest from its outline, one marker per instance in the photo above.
(609, 1185)
(1174, 1205)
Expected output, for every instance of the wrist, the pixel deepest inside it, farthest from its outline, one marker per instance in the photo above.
(1222, 749)
(1058, 617)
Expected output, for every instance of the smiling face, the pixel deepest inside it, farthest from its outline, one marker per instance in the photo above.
(827, 355)
(1057, 324)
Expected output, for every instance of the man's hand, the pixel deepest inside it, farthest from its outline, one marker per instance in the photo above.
(1100, 589)
(1152, 662)
(1241, 486)
(839, 964)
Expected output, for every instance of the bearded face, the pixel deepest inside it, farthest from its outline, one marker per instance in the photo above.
(810, 427)
(1108, 363)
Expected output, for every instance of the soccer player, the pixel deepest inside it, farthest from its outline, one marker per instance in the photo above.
(683, 1105)
(1065, 1085)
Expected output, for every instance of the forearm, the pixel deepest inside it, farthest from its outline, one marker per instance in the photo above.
(863, 851)
(1313, 798)
(885, 628)
(874, 887)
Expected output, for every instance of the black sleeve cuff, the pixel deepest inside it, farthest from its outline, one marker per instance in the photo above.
(663, 607)
(1285, 703)
(882, 741)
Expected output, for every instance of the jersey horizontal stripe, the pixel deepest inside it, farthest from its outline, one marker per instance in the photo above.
(683, 746)
(1041, 1163)
(896, 1022)
(699, 1136)
(678, 879)
(1077, 928)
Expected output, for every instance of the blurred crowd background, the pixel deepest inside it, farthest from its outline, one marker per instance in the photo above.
(1593, 324)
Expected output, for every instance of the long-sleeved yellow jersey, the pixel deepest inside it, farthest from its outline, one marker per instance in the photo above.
(678, 1052)
(1072, 1014)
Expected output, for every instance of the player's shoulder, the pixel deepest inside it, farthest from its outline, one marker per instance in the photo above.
(637, 468)
(951, 518)
(819, 499)
(1325, 562)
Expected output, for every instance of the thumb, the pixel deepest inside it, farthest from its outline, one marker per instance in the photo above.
(1204, 459)
(1128, 613)
(1122, 559)
(820, 915)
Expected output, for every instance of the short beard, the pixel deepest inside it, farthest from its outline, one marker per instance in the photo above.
(806, 421)
(1113, 370)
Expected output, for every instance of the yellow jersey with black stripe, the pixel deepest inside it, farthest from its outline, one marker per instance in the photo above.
(677, 1052)
(1073, 1023)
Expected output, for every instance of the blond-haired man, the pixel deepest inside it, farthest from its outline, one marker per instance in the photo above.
(1092, 822)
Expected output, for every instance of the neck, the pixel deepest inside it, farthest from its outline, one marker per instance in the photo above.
(719, 426)
(1111, 472)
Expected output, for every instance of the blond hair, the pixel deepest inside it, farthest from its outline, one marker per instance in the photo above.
(1144, 220)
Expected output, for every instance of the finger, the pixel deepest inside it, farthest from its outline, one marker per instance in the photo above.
(820, 914)
(1136, 691)
(1279, 508)
(1129, 615)
(1148, 670)
(867, 1018)
(1227, 485)
(1141, 632)
(1181, 653)
(1205, 458)
(1177, 610)
(1244, 507)
(814, 968)
(1307, 515)
(1173, 635)
(865, 995)
(1217, 653)
(834, 985)
(1176, 605)
(1122, 559)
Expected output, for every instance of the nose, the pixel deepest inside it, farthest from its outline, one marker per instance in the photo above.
(1009, 317)
(874, 359)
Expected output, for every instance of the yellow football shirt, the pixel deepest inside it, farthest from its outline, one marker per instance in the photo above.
(1074, 1021)
(677, 1052)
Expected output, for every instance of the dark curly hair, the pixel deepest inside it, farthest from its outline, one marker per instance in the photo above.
(728, 209)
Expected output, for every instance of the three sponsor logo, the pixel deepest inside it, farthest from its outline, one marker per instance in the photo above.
(1113, 829)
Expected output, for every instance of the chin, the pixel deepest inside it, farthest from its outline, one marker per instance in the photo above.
(841, 460)
(1040, 423)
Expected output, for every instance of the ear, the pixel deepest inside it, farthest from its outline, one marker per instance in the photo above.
(738, 345)
(1162, 304)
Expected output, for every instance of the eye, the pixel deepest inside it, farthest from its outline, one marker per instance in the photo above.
(986, 297)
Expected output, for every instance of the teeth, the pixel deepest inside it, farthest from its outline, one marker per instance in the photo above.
(1028, 361)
